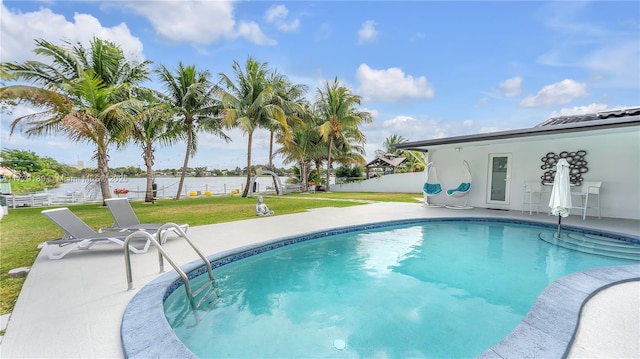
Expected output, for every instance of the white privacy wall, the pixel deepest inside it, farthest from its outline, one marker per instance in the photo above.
(398, 183)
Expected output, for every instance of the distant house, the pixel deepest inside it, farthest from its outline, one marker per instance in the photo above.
(386, 164)
(606, 145)
(7, 172)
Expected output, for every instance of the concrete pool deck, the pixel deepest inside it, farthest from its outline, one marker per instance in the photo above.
(73, 307)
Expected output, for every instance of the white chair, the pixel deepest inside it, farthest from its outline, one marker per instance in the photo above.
(431, 187)
(125, 219)
(588, 189)
(462, 191)
(78, 235)
(533, 191)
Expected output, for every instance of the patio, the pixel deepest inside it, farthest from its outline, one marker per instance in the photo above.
(73, 307)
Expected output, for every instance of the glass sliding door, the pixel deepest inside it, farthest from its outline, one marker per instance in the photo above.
(499, 180)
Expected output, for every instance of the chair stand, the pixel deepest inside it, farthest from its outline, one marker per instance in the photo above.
(463, 206)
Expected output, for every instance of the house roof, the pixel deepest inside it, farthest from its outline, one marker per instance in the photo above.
(387, 162)
(554, 126)
(634, 111)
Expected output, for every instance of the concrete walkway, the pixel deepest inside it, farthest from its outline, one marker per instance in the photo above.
(73, 307)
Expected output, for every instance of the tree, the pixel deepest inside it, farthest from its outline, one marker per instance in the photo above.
(290, 98)
(192, 99)
(302, 148)
(152, 127)
(82, 92)
(248, 103)
(19, 160)
(388, 146)
(336, 105)
(415, 159)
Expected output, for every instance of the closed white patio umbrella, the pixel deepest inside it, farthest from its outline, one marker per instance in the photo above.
(560, 202)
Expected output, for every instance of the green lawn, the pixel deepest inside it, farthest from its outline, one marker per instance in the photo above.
(23, 229)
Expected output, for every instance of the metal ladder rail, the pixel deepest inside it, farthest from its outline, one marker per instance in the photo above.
(163, 231)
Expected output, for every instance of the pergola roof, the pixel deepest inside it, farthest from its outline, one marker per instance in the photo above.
(387, 161)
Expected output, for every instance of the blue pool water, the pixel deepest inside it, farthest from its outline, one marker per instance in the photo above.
(435, 289)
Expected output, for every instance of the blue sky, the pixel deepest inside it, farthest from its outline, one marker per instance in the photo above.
(424, 69)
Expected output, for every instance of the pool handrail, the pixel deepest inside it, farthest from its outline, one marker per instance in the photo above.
(163, 253)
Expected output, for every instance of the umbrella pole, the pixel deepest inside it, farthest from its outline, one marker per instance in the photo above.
(559, 221)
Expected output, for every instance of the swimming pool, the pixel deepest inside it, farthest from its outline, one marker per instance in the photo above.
(412, 288)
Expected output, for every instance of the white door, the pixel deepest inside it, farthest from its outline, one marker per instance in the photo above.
(499, 178)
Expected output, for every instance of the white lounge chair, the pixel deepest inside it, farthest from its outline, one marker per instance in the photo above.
(431, 187)
(462, 191)
(125, 218)
(78, 235)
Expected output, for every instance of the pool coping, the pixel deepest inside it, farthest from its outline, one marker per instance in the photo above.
(547, 330)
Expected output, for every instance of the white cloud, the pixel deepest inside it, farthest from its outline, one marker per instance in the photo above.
(415, 129)
(251, 31)
(511, 87)
(198, 22)
(391, 84)
(374, 113)
(399, 122)
(579, 110)
(367, 32)
(324, 32)
(608, 50)
(20, 29)
(278, 15)
(616, 63)
(559, 93)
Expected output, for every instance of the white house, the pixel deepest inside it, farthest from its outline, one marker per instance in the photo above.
(501, 162)
(607, 145)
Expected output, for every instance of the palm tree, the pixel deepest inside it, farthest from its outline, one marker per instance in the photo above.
(415, 159)
(336, 105)
(248, 103)
(290, 98)
(388, 146)
(152, 126)
(301, 149)
(191, 97)
(88, 112)
(83, 93)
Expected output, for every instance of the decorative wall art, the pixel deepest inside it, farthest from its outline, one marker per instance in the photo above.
(577, 166)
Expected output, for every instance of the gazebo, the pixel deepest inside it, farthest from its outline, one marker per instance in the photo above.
(388, 163)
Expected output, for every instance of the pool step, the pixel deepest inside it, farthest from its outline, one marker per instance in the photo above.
(601, 240)
(202, 302)
(207, 290)
(592, 244)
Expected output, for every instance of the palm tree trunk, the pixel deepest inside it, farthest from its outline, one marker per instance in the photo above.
(246, 187)
(326, 188)
(148, 160)
(305, 176)
(275, 183)
(271, 151)
(103, 171)
(186, 160)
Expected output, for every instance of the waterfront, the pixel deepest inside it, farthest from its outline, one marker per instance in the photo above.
(167, 186)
